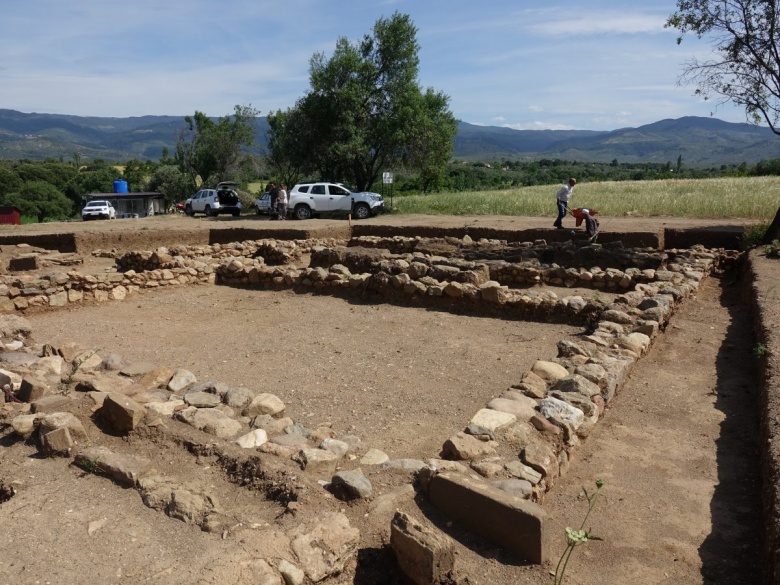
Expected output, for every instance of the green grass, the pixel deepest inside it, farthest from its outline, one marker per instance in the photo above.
(747, 198)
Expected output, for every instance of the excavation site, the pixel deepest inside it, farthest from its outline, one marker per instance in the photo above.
(431, 401)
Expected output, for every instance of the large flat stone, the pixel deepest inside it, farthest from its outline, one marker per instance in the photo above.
(510, 521)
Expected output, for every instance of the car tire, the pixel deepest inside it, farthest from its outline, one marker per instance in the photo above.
(208, 211)
(257, 210)
(361, 211)
(188, 210)
(302, 211)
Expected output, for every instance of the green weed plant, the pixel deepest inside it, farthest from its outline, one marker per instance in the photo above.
(575, 538)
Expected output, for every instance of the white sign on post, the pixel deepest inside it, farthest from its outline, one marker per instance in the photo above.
(387, 178)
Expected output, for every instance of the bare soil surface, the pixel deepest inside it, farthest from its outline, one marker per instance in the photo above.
(677, 448)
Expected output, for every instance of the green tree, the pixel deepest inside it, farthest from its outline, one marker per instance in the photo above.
(430, 144)
(745, 64)
(288, 145)
(211, 151)
(365, 109)
(137, 175)
(10, 181)
(171, 182)
(41, 200)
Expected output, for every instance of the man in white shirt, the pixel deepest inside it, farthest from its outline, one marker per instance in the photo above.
(562, 198)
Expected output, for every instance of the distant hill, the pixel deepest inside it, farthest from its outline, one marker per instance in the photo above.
(700, 141)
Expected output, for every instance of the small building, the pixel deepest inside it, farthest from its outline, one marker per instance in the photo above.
(10, 216)
(141, 204)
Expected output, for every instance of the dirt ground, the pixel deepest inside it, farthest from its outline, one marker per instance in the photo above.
(677, 448)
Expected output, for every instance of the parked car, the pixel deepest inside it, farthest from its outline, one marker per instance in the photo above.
(98, 209)
(308, 199)
(211, 202)
(263, 204)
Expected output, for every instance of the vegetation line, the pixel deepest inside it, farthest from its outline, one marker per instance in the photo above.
(744, 197)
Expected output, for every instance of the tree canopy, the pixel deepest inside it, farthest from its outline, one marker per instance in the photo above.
(365, 112)
(212, 150)
(745, 63)
(40, 199)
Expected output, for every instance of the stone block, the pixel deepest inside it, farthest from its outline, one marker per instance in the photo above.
(57, 442)
(425, 555)
(32, 389)
(50, 403)
(126, 470)
(516, 524)
(122, 413)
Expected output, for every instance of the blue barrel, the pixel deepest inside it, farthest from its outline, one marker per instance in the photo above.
(120, 186)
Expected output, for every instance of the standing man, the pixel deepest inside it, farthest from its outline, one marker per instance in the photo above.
(562, 198)
(281, 202)
(273, 191)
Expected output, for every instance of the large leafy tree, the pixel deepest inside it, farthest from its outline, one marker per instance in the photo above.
(41, 200)
(171, 182)
(364, 110)
(289, 144)
(211, 151)
(745, 64)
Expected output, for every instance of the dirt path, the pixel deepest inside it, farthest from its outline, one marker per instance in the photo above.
(678, 452)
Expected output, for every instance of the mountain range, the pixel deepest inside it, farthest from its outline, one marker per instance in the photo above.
(699, 141)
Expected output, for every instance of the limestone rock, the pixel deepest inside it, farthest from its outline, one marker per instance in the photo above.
(462, 447)
(348, 485)
(50, 403)
(549, 371)
(265, 403)
(202, 399)
(323, 547)
(126, 470)
(522, 408)
(57, 420)
(211, 421)
(157, 377)
(252, 439)
(492, 420)
(57, 442)
(32, 389)
(24, 425)
(374, 457)
(424, 554)
(578, 384)
(317, 460)
(522, 471)
(559, 410)
(541, 457)
(123, 413)
(181, 380)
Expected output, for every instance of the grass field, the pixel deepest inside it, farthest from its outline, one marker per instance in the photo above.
(748, 198)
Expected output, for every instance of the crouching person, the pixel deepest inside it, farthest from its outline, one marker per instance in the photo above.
(591, 225)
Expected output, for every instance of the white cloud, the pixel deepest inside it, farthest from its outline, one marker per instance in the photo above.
(595, 23)
(539, 126)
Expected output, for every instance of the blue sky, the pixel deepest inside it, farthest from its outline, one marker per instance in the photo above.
(548, 64)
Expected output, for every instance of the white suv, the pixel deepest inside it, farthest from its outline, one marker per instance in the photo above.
(307, 199)
(98, 209)
(223, 199)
